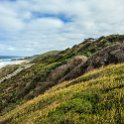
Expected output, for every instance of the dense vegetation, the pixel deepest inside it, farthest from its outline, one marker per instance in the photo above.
(96, 97)
(29, 97)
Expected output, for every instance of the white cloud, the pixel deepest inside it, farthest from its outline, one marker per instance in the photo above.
(44, 24)
(9, 20)
(29, 35)
(6, 47)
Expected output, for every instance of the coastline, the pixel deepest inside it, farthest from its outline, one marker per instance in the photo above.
(16, 62)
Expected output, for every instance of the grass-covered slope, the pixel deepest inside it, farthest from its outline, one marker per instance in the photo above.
(94, 98)
(54, 67)
(33, 81)
(50, 69)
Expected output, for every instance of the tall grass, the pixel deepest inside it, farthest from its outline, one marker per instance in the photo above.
(94, 98)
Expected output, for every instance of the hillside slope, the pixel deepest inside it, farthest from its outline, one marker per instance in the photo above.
(54, 67)
(96, 97)
(110, 55)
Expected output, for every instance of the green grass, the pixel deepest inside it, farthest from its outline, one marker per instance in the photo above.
(31, 82)
(24, 86)
(77, 101)
(89, 99)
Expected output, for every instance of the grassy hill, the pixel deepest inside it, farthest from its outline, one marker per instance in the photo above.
(96, 97)
(29, 97)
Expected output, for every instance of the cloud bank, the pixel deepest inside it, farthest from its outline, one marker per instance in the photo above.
(35, 26)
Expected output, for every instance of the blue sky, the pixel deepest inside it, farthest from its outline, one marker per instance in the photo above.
(30, 27)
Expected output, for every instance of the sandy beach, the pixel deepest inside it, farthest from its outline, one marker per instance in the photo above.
(17, 62)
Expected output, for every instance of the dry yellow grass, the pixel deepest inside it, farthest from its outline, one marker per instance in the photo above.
(96, 97)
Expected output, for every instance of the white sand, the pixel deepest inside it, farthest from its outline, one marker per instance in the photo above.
(3, 64)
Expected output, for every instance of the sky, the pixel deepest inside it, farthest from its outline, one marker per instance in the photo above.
(29, 27)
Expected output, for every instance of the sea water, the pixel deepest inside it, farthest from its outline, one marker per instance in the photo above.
(7, 60)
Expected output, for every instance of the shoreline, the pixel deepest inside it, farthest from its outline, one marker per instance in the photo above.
(16, 62)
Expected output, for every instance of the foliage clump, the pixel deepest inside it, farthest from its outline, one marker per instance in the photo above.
(89, 100)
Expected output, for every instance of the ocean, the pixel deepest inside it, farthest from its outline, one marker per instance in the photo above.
(7, 60)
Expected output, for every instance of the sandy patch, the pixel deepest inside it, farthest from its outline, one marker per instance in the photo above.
(17, 62)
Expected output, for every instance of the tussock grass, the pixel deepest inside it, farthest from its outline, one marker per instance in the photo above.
(94, 98)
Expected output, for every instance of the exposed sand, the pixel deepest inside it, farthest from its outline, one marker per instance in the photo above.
(20, 61)
(17, 62)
